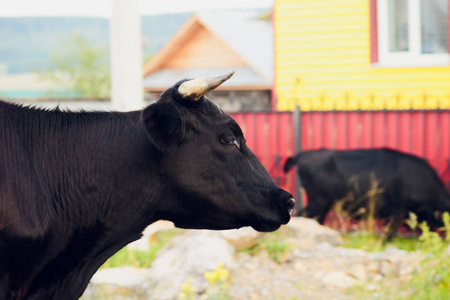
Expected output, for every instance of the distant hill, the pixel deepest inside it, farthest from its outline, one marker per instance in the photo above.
(26, 43)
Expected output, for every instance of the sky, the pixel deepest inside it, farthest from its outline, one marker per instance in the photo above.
(102, 8)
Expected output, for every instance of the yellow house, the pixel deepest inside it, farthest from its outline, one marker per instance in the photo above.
(362, 54)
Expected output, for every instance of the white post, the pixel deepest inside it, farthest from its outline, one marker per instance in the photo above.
(126, 56)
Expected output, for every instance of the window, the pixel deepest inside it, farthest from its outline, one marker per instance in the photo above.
(410, 32)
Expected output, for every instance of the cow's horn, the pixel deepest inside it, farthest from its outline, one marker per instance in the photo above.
(196, 88)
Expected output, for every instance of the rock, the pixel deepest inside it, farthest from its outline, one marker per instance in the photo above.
(339, 279)
(373, 267)
(298, 266)
(242, 238)
(377, 277)
(125, 276)
(359, 272)
(349, 253)
(189, 255)
(309, 229)
(405, 270)
(122, 283)
(143, 244)
(387, 268)
(298, 253)
(312, 268)
(295, 243)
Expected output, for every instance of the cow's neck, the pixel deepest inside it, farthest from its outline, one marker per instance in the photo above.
(75, 270)
(93, 190)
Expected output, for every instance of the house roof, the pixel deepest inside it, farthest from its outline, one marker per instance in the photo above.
(233, 40)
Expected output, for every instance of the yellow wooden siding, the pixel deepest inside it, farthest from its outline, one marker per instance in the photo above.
(323, 62)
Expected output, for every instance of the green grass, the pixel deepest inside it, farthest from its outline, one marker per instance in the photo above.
(371, 242)
(276, 249)
(430, 281)
(273, 243)
(137, 258)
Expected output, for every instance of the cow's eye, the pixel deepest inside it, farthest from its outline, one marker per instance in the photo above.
(230, 140)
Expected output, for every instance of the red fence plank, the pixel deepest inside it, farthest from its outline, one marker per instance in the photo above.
(392, 120)
(404, 132)
(317, 122)
(444, 146)
(341, 130)
(262, 137)
(378, 129)
(305, 129)
(418, 133)
(250, 121)
(431, 137)
(366, 130)
(273, 142)
(353, 128)
(328, 131)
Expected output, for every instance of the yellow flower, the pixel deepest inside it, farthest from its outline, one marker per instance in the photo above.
(222, 273)
(187, 291)
(211, 278)
(219, 275)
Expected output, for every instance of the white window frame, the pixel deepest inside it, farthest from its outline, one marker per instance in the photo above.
(414, 57)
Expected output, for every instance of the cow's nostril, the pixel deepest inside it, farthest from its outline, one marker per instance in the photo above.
(290, 204)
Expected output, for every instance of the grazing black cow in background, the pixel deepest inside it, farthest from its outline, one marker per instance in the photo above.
(77, 187)
(397, 183)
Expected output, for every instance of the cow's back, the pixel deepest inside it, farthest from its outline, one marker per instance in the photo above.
(340, 171)
(320, 173)
(369, 171)
(402, 181)
(21, 212)
(354, 176)
(422, 187)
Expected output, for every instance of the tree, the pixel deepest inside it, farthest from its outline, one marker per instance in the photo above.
(80, 66)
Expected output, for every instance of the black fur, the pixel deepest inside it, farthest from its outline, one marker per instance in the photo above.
(403, 183)
(77, 187)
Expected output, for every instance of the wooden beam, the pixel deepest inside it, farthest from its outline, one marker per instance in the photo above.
(126, 56)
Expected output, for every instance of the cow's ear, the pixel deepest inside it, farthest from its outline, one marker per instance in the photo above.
(163, 124)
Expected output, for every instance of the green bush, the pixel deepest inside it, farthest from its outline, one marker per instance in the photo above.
(432, 277)
(372, 242)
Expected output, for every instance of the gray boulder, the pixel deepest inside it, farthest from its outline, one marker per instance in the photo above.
(118, 284)
(310, 230)
(189, 255)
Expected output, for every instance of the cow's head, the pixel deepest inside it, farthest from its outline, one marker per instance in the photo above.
(211, 179)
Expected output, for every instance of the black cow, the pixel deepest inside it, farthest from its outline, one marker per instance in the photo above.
(77, 187)
(385, 183)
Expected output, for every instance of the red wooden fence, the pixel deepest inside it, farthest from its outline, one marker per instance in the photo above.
(270, 135)
(422, 133)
